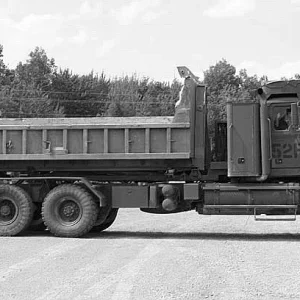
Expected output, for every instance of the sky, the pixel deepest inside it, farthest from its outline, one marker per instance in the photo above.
(151, 37)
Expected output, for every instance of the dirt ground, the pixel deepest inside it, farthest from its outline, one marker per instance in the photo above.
(143, 256)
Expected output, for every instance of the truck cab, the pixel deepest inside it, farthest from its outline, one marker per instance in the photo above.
(264, 135)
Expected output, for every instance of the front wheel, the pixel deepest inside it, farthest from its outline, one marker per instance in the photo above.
(16, 210)
(69, 211)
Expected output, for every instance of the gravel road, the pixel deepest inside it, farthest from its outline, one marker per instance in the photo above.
(143, 256)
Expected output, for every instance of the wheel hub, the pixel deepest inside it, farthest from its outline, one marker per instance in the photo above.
(5, 210)
(69, 211)
(8, 211)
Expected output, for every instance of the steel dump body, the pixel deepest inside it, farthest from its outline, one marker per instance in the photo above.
(94, 139)
(94, 144)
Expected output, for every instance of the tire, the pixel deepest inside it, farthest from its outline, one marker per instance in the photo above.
(108, 221)
(16, 210)
(69, 211)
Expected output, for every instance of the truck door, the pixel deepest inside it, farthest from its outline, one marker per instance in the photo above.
(285, 137)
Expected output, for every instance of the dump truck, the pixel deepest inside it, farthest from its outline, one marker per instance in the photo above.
(72, 175)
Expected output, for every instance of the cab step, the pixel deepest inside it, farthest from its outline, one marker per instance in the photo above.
(260, 212)
(265, 217)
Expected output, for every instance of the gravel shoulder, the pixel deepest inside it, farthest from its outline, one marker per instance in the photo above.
(143, 256)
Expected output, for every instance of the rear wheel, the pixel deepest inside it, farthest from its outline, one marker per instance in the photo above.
(69, 211)
(16, 210)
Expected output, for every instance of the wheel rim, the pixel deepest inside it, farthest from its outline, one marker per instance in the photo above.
(8, 211)
(68, 212)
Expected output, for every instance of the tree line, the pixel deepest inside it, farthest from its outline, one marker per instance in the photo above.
(39, 88)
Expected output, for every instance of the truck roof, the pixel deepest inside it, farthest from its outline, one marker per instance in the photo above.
(282, 88)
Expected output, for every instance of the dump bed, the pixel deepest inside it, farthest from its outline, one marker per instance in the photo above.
(94, 138)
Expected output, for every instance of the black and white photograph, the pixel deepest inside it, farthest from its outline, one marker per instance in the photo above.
(149, 150)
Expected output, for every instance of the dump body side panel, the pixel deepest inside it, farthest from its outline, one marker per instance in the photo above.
(91, 141)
